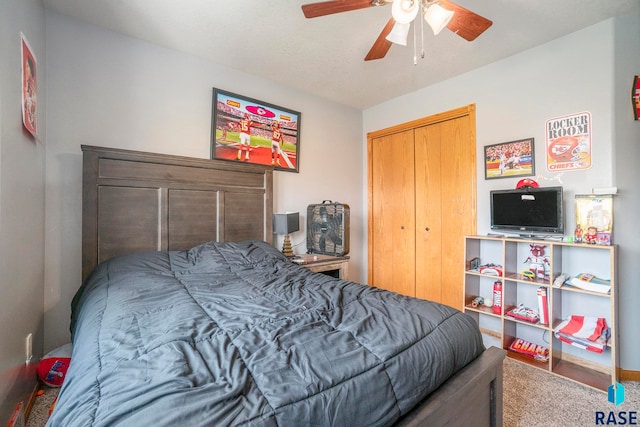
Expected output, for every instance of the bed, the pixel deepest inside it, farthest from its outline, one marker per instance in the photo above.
(177, 326)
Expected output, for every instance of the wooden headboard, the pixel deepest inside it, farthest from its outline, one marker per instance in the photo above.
(134, 201)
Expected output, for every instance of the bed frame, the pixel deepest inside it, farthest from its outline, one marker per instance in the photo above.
(135, 201)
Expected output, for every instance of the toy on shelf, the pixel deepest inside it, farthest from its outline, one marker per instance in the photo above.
(473, 264)
(491, 269)
(477, 301)
(538, 262)
(524, 313)
(528, 274)
(592, 234)
(577, 234)
(480, 300)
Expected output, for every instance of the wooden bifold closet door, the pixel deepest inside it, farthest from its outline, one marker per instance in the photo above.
(422, 201)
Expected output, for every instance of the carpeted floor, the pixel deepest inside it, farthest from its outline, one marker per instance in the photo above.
(40, 411)
(532, 397)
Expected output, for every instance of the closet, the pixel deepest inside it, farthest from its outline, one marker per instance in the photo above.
(422, 202)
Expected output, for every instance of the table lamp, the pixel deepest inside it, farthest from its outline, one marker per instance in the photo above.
(284, 224)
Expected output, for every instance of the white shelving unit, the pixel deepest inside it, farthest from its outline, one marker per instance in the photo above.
(597, 370)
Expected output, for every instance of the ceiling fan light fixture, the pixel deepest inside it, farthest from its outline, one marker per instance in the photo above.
(399, 33)
(405, 11)
(437, 17)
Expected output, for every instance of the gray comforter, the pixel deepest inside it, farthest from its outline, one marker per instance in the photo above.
(235, 334)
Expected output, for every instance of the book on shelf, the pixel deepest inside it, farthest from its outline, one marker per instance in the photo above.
(589, 282)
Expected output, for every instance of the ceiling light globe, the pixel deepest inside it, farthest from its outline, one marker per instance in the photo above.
(405, 11)
(398, 34)
(437, 17)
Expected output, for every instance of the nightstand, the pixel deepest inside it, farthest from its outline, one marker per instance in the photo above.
(330, 265)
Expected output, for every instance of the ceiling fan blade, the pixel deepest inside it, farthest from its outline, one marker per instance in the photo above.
(465, 23)
(313, 10)
(381, 46)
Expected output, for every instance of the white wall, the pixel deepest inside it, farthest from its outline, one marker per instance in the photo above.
(22, 186)
(626, 135)
(110, 90)
(514, 97)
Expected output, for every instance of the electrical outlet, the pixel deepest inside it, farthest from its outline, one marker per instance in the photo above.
(28, 348)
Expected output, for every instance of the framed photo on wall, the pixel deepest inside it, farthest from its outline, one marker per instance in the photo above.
(29, 87)
(509, 159)
(246, 130)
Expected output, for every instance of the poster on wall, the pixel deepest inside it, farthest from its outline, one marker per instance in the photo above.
(246, 130)
(569, 142)
(29, 86)
(509, 159)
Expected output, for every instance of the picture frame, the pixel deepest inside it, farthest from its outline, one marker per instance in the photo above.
(594, 219)
(29, 86)
(635, 97)
(247, 130)
(510, 159)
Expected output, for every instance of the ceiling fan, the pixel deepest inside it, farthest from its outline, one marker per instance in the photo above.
(437, 13)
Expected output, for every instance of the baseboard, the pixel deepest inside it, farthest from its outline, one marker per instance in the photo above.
(32, 400)
(627, 375)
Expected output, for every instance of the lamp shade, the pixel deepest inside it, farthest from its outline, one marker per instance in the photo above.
(437, 17)
(286, 223)
(405, 11)
(398, 33)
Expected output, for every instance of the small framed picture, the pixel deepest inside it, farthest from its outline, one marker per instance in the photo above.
(509, 159)
(246, 130)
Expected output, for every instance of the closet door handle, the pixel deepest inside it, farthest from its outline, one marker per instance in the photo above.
(402, 227)
(426, 229)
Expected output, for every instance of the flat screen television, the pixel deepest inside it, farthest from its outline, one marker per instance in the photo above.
(528, 211)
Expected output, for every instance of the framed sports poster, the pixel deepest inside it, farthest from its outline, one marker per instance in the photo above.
(569, 142)
(246, 130)
(509, 159)
(29, 87)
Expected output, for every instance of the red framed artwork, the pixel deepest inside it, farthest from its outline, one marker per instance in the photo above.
(635, 97)
(29, 86)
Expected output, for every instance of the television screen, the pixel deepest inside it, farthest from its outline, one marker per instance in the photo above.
(528, 211)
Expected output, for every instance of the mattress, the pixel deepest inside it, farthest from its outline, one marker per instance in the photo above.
(235, 334)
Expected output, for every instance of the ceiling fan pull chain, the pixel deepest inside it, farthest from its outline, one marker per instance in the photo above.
(415, 47)
(422, 30)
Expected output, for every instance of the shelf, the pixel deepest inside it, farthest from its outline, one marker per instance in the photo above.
(477, 273)
(528, 360)
(524, 322)
(595, 370)
(582, 291)
(517, 277)
(481, 309)
(581, 374)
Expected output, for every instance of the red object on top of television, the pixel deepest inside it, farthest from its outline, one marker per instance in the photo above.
(526, 183)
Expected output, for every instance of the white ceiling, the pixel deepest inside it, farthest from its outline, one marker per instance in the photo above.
(325, 56)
